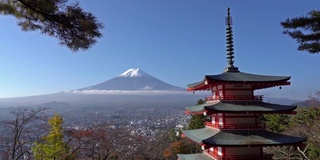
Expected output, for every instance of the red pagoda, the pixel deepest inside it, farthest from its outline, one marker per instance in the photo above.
(235, 130)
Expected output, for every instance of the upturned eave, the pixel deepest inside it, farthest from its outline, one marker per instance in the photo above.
(244, 107)
(239, 138)
(258, 81)
(251, 138)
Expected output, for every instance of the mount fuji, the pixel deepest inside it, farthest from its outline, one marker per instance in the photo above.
(133, 87)
(131, 81)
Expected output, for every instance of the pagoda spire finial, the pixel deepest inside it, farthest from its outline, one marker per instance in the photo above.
(230, 53)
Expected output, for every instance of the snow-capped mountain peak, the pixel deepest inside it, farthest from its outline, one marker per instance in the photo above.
(133, 79)
(133, 73)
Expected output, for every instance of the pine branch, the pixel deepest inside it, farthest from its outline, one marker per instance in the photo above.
(305, 30)
(74, 27)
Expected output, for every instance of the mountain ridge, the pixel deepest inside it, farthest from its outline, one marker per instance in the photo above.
(133, 87)
(134, 79)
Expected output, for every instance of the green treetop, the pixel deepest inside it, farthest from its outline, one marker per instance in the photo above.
(197, 121)
(52, 145)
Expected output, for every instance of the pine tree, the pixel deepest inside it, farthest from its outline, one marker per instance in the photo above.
(305, 30)
(68, 22)
(276, 122)
(52, 145)
(200, 101)
(197, 121)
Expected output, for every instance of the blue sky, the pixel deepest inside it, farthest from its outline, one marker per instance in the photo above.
(177, 41)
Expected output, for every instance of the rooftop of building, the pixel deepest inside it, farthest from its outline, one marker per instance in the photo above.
(232, 74)
(240, 107)
(256, 80)
(214, 137)
(199, 156)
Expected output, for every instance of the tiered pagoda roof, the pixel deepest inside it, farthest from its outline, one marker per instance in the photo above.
(240, 107)
(257, 81)
(214, 137)
(233, 75)
(198, 156)
(235, 111)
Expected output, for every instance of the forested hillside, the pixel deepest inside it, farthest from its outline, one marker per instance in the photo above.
(305, 123)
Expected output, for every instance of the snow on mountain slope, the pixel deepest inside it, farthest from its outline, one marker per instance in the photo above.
(131, 88)
(134, 73)
(131, 80)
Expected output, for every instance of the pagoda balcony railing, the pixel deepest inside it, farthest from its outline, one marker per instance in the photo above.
(235, 97)
(236, 126)
(264, 156)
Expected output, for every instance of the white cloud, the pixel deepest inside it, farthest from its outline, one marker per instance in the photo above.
(147, 88)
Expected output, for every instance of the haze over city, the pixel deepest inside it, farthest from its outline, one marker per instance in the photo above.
(175, 41)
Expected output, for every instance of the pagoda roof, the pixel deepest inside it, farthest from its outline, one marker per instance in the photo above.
(242, 137)
(201, 156)
(241, 107)
(197, 108)
(197, 135)
(239, 78)
(251, 138)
